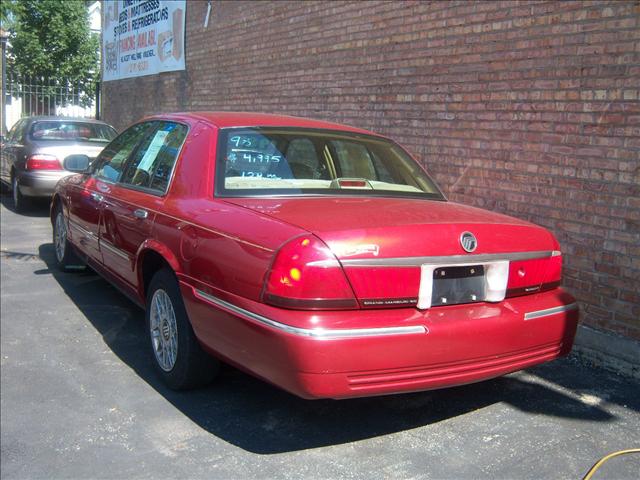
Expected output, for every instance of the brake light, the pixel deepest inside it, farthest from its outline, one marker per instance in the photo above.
(42, 161)
(536, 275)
(352, 183)
(554, 269)
(306, 275)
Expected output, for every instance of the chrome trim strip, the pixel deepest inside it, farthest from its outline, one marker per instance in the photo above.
(114, 250)
(550, 311)
(443, 260)
(82, 230)
(316, 333)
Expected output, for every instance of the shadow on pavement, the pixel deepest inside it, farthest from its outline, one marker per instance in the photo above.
(260, 418)
(37, 207)
(595, 384)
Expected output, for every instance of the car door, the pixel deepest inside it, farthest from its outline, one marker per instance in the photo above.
(86, 193)
(129, 209)
(6, 144)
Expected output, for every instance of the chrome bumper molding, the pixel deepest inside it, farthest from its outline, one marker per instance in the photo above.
(550, 311)
(446, 260)
(316, 333)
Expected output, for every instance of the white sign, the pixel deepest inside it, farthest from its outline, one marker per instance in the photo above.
(142, 37)
(152, 152)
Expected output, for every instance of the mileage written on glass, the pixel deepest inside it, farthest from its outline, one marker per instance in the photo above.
(253, 156)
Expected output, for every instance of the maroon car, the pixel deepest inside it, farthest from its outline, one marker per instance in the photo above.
(318, 257)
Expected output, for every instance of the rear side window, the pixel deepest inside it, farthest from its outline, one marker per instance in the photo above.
(112, 159)
(153, 161)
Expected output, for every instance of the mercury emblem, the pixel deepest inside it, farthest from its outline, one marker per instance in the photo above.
(468, 242)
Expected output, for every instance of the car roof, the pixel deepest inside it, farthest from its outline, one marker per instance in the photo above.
(54, 118)
(249, 119)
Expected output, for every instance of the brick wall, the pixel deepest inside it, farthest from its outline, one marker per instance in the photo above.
(526, 108)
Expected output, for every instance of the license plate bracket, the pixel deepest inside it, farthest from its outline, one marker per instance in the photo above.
(458, 284)
(494, 278)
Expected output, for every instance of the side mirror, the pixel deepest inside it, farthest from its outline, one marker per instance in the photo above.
(76, 163)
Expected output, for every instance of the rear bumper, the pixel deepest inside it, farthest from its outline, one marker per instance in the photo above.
(429, 377)
(399, 350)
(40, 183)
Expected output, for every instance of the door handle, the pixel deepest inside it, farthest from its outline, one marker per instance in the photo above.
(140, 213)
(97, 197)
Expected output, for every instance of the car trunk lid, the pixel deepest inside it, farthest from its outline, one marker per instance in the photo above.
(61, 151)
(384, 244)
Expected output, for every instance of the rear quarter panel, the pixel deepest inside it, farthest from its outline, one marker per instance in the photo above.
(225, 247)
(220, 248)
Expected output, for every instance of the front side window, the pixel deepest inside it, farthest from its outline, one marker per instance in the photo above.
(151, 164)
(71, 131)
(112, 159)
(292, 161)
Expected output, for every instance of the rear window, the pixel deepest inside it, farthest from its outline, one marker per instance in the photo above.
(281, 161)
(71, 131)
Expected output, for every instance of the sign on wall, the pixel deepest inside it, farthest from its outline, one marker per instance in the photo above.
(142, 37)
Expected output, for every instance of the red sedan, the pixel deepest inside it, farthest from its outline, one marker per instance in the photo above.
(318, 257)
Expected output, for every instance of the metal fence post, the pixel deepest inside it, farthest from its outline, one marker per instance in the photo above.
(3, 39)
(98, 100)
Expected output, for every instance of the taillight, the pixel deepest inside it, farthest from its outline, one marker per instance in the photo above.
(536, 275)
(306, 275)
(42, 161)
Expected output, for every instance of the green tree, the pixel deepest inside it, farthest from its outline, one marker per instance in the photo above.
(51, 39)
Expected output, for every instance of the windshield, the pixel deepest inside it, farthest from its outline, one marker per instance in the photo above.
(71, 131)
(293, 161)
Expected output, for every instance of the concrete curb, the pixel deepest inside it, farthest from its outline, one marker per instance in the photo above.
(607, 350)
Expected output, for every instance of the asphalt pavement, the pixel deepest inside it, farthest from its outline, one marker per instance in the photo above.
(80, 399)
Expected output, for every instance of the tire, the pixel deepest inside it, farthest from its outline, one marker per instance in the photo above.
(20, 202)
(65, 255)
(175, 351)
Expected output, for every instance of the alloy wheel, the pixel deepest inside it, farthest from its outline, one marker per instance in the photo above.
(60, 237)
(15, 193)
(164, 333)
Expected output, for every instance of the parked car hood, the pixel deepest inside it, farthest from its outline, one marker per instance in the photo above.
(397, 227)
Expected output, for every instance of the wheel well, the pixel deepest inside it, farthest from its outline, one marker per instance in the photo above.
(55, 202)
(152, 262)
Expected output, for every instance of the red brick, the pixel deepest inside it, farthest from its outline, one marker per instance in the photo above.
(539, 98)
